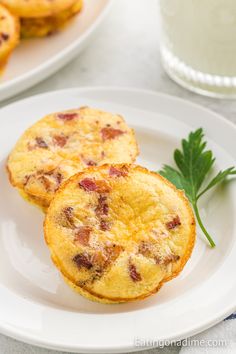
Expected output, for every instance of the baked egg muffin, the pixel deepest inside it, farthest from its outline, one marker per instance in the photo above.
(9, 34)
(45, 26)
(62, 144)
(117, 233)
(37, 8)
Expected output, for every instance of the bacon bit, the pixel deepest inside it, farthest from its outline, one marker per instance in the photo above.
(90, 163)
(41, 143)
(67, 116)
(46, 182)
(170, 258)
(59, 179)
(173, 223)
(91, 185)
(26, 180)
(101, 211)
(109, 133)
(82, 235)
(113, 251)
(88, 185)
(133, 273)
(4, 36)
(99, 259)
(83, 260)
(60, 140)
(105, 225)
(115, 172)
(102, 207)
(68, 214)
(102, 259)
(145, 249)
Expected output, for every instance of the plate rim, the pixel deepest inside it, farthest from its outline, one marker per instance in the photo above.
(220, 315)
(49, 67)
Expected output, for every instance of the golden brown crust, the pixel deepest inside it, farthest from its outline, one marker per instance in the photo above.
(37, 8)
(9, 35)
(177, 267)
(45, 26)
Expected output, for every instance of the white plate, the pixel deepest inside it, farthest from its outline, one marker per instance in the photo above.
(35, 304)
(35, 59)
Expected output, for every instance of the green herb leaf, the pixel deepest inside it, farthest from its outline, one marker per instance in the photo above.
(220, 177)
(194, 163)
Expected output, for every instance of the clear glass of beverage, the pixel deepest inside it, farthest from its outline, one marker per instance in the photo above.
(198, 44)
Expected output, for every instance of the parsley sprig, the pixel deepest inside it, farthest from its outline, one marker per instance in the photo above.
(194, 162)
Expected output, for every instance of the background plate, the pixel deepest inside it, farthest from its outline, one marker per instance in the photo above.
(35, 59)
(35, 304)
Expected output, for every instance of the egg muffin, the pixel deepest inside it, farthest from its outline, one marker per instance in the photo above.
(62, 144)
(37, 8)
(9, 35)
(118, 232)
(44, 26)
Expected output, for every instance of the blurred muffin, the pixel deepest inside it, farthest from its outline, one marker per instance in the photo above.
(9, 35)
(62, 144)
(44, 26)
(37, 8)
(118, 232)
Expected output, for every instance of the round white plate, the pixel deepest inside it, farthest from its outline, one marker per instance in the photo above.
(35, 59)
(35, 304)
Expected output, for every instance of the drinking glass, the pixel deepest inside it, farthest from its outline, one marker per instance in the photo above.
(198, 44)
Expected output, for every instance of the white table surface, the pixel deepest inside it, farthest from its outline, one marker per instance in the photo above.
(124, 53)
